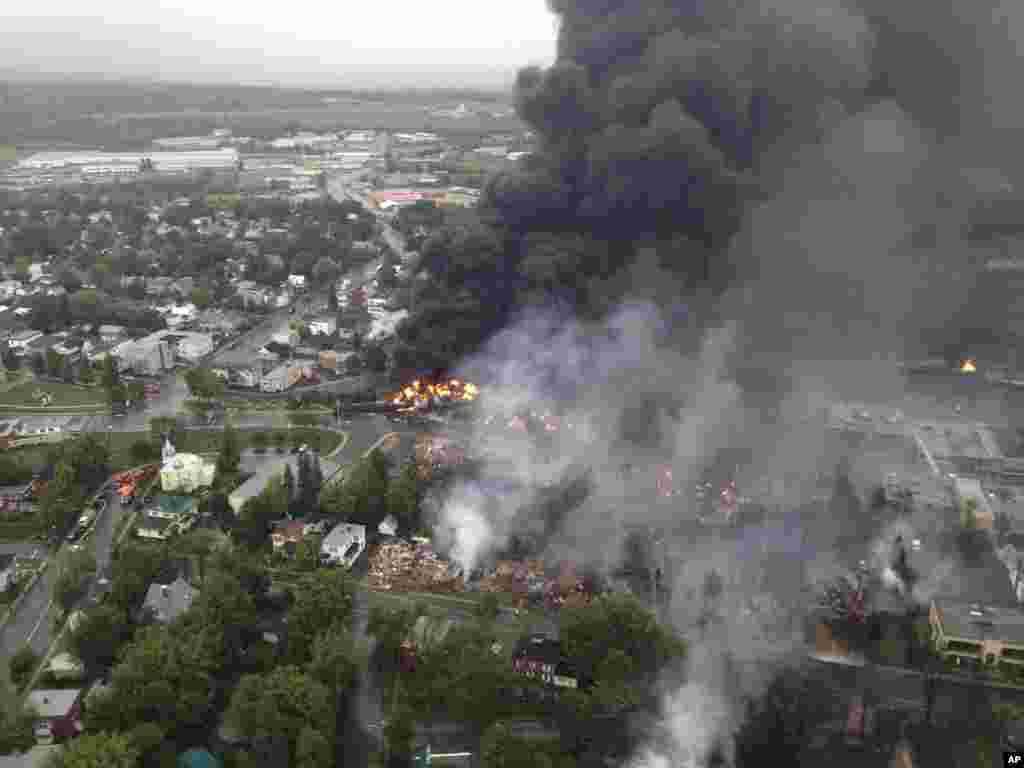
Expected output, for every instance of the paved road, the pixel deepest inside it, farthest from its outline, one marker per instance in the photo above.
(31, 624)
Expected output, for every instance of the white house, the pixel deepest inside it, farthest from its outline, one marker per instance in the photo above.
(179, 315)
(20, 342)
(9, 288)
(6, 572)
(195, 346)
(298, 282)
(111, 334)
(280, 378)
(323, 326)
(343, 544)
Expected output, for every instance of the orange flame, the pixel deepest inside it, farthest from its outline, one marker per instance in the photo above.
(419, 394)
(968, 366)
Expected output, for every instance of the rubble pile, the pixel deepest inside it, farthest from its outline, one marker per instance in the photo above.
(406, 566)
(528, 581)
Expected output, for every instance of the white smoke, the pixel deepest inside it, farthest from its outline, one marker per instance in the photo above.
(464, 529)
(384, 326)
(691, 719)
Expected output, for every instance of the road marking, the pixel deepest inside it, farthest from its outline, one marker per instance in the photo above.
(46, 612)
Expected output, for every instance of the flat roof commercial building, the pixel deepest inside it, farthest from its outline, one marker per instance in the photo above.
(212, 159)
(973, 631)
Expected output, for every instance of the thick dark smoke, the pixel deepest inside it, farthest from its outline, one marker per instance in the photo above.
(817, 176)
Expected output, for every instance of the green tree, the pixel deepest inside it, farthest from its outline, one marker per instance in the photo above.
(390, 627)
(144, 451)
(204, 383)
(226, 612)
(21, 267)
(135, 391)
(230, 456)
(54, 362)
(99, 750)
(313, 750)
(501, 748)
(259, 442)
(21, 666)
(166, 675)
(400, 728)
(99, 636)
(618, 638)
(74, 567)
(282, 705)
(17, 730)
(488, 606)
(201, 297)
(970, 514)
(159, 426)
(258, 512)
(335, 660)
(109, 375)
(86, 375)
(403, 497)
(323, 603)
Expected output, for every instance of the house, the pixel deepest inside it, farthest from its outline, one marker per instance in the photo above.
(159, 286)
(194, 347)
(149, 356)
(111, 334)
(388, 526)
(9, 288)
(287, 535)
(540, 657)
(64, 666)
(59, 713)
(324, 326)
(180, 314)
(247, 377)
(37, 757)
(166, 602)
(156, 528)
(6, 572)
(973, 631)
(343, 544)
(297, 282)
(19, 342)
(15, 499)
(281, 378)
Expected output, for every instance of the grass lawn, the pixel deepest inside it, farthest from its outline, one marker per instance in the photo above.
(24, 394)
(508, 632)
(190, 441)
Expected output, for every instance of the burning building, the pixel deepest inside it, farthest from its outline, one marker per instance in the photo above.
(422, 395)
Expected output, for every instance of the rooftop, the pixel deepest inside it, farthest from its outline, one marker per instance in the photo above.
(168, 601)
(979, 622)
(53, 702)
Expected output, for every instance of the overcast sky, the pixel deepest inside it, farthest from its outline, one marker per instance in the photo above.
(303, 42)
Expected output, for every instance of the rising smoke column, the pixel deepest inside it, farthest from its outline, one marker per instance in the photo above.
(814, 161)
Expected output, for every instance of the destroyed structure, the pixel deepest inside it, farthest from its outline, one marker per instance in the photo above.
(412, 566)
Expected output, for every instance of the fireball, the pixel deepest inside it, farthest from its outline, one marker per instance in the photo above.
(968, 366)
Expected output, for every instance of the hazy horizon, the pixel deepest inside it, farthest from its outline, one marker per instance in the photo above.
(457, 43)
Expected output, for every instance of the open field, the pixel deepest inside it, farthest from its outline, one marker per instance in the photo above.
(24, 394)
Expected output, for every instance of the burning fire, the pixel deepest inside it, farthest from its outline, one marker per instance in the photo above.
(968, 366)
(419, 395)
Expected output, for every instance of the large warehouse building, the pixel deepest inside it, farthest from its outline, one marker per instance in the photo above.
(168, 162)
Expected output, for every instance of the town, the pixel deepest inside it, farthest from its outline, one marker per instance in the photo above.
(659, 406)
